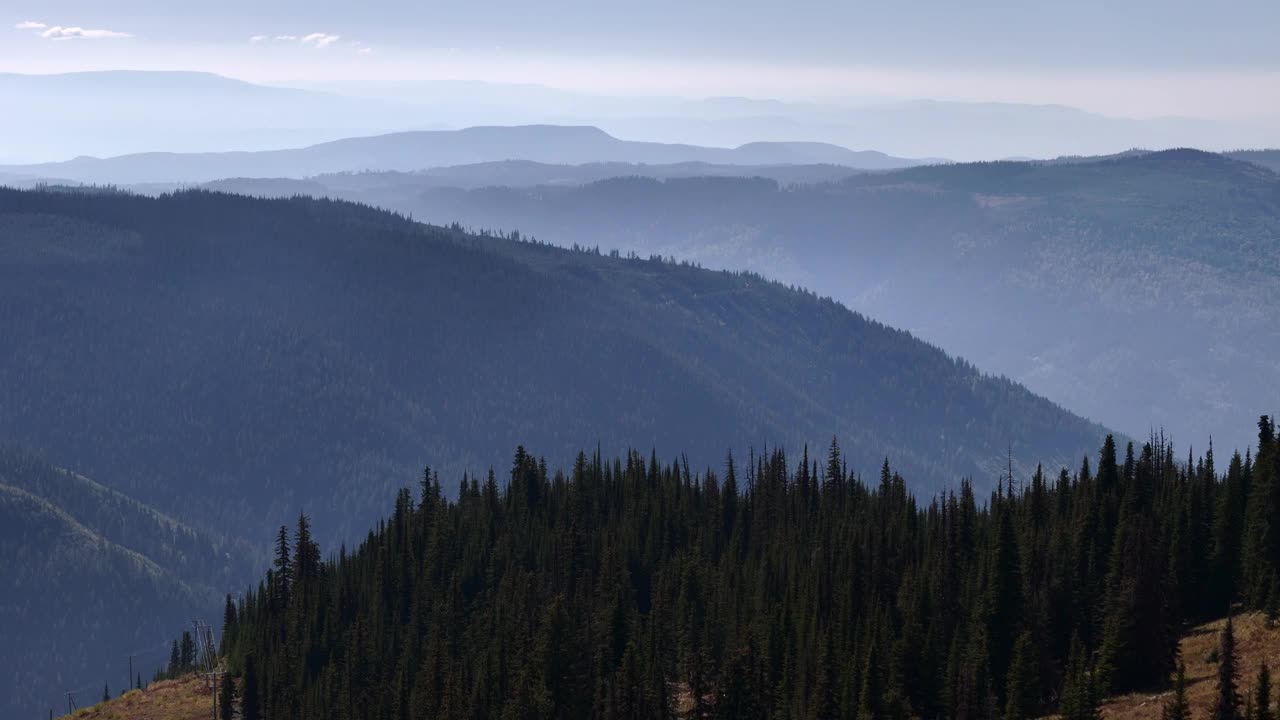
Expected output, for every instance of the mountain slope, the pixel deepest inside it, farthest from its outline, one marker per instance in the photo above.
(380, 186)
(90, 577)
(1063, 276)
(251, 358)
(1269, 159)
(408, 151)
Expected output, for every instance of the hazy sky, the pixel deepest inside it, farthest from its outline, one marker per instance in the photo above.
(1132, 57)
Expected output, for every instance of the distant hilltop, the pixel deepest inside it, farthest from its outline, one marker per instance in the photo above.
(423, 149)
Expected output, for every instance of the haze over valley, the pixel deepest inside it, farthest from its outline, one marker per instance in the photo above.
(401, 361)
(194, 112)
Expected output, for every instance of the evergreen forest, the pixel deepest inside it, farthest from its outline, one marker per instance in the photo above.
(775, 586)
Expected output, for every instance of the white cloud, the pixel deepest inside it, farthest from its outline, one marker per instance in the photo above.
(320, 40)
(315, 39)
(366, 51)
(58, 32)
(30, 25)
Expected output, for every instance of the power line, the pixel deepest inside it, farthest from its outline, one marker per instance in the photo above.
(211, 665)
(143, 652)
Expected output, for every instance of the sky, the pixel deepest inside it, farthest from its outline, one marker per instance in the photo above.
(1137, 58)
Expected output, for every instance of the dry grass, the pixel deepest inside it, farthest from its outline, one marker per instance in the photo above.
(186, 698)
(1255, 643)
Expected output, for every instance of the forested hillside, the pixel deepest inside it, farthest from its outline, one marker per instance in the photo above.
(89, 577)
(1269, 159)
(1130, 290)
(508, 173)
(237, 360)
(776, 586)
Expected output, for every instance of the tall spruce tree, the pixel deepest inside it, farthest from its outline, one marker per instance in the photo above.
(283, 569)
(1229, 517)
(250, 700)
(1226, 699)
(1079, 697)
(228, 622)
(1261, 545)
(1177, 707)
(188, 651)
(1262, 695)
(227, 698)
(1022, 689)
(1272, 612)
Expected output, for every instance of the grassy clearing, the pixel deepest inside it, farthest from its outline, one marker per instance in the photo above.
(1255, 643)
(186, 698)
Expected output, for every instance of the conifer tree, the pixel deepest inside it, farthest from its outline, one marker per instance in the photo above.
(1261, 543)
(226, 698)
(228, 624)
(283, 568)
(1022, 693)
(1229, 517)
(871, 694)
(306, 560)
(1272, 613)
(188, 656)
(250, 702)
(1079, 699)
(1262, 695)
(825, 703)
(106, 693)
(1177, 708)
(1226, 702)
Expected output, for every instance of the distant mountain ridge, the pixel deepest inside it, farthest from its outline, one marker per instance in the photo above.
(378, 187)
(119, 112)
(419, 150)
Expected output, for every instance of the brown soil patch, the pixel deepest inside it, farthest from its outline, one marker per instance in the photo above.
(186, 698)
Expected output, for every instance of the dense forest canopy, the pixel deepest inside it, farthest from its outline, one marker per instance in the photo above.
(774, 587)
